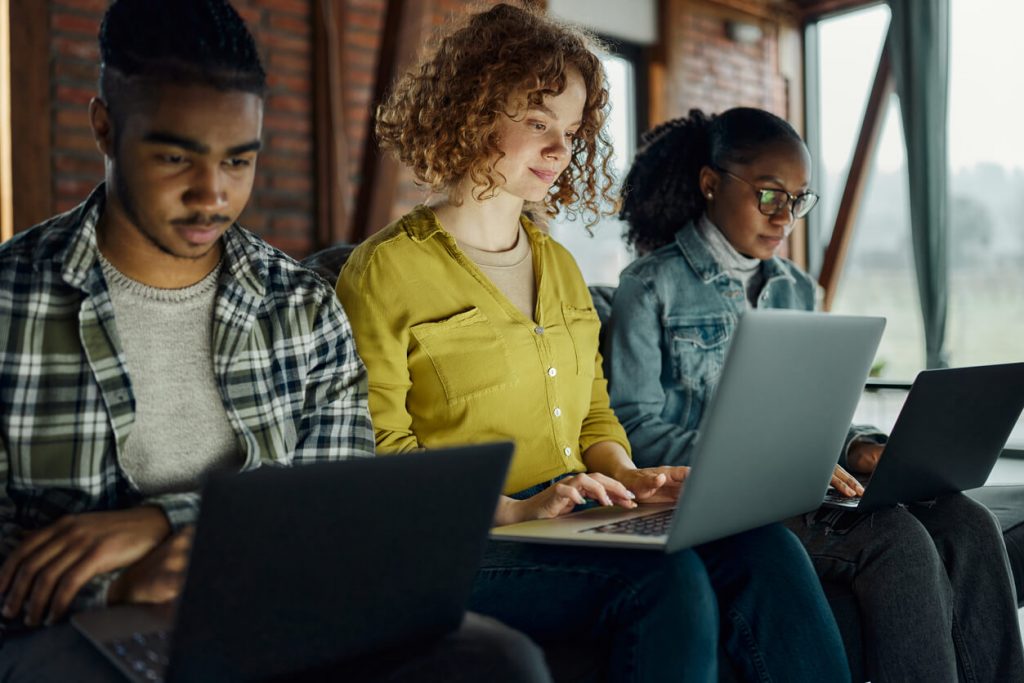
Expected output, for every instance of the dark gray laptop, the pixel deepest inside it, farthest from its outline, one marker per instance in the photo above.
(293, 569)
(947, 437)
(768, 440)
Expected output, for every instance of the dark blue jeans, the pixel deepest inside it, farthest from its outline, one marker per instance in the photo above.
(661, 616)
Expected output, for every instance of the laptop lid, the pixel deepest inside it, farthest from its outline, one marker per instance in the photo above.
(948, 435)
(777, 422)
(293, 568)
(769, 438)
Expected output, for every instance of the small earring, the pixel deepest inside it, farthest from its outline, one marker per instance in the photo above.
(710, 195)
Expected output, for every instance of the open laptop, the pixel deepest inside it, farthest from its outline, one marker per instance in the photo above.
(947, 437)
(293, 569)
(768, 442)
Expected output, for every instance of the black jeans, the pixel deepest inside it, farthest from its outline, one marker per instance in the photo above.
(932, 584)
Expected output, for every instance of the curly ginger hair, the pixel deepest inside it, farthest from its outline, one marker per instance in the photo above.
(442, 116)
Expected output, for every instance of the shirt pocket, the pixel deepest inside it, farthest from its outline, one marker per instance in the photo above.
(468, 354)
(584, 328)
(698, 349)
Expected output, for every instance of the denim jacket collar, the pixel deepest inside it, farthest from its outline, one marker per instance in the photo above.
(698, 255)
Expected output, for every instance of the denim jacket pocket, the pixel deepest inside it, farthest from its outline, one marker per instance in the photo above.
(584, 327)
(697, 347)
(469, 355)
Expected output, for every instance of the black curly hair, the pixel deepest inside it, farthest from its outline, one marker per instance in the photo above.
(661, 192)
(144, 43)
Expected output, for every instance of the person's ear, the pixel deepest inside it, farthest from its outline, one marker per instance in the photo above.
(102, 126)
(708, 182)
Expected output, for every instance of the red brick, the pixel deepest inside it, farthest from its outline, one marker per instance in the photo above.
(72, 70)
(291, 163)
(286, 201)
(291, 143)
(291, 25)
(88, 50)
(75, 140)
(289, 103)
(97, 7)
(78, 165)
(73, 95)
(302, 183)
(287, 122)
(288, 62)
(372, 22)
(280, 41)
(71, 189)
(298, 7)
(296, 247)
(73, 118)
(74, 23)
(252, 16)
(298, 226)
(293, 84)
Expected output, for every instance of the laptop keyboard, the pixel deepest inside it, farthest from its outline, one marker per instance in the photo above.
(655, 524)
(835, 498)
(145, 654)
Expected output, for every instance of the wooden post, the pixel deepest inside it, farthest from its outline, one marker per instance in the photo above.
(856, 181)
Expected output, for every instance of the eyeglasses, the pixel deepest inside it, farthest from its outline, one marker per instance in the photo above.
(771, 201)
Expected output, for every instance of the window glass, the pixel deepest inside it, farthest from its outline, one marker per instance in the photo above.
(602, 256)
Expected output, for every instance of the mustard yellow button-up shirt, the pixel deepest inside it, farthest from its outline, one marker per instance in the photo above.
(452, 361)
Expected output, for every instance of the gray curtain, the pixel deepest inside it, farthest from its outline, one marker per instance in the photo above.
(919, 48)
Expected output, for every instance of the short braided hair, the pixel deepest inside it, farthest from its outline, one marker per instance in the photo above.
(182, 42)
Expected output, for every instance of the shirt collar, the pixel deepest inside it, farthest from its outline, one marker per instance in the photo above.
(244, 254)
(698, 255)
(421, 224)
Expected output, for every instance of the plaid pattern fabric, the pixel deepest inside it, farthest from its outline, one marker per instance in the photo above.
(291, 381)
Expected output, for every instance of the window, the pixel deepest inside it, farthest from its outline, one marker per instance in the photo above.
(986, 186)
(602, 256)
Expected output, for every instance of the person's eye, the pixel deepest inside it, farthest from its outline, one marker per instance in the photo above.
(171, 158)
(537, 126)
(571, 134)
(238, 162)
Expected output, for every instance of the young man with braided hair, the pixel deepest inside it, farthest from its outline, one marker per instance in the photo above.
(147, 340)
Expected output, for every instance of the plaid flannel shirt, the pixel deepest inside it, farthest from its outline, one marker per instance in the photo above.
(291, 382)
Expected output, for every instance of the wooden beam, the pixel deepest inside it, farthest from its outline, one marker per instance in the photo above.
(332, 148)
(856, 180)
(405, 27)
(29, 62)
(774, 10)
(813, 10)
(6, 170)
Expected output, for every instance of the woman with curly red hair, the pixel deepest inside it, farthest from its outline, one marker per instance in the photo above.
(476, 326)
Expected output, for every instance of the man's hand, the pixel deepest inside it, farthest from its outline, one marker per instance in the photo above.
(159, 576)
(655, 484)
(49, 567)
(863, 456)
(846, 483)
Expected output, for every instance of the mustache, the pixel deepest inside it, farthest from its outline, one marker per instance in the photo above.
(199, 220)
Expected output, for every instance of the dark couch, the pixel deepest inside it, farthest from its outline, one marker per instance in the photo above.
(584, 661)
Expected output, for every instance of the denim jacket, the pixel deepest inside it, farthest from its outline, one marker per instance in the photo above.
(673, 315)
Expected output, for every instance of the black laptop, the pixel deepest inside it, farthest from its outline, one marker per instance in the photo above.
(293, 569)
(947, 437)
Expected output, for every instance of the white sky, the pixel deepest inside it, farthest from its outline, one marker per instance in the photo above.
(986, 114)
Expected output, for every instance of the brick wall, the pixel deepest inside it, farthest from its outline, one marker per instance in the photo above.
(704, 68)
(709, 71)
(282, 207)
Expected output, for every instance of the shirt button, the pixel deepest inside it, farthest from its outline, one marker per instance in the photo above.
(558, 412)
(567, 451)
(539, 329)
(552, 372)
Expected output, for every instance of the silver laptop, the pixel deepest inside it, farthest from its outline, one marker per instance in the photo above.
(295, 569)
(947, 438)
(768, 442)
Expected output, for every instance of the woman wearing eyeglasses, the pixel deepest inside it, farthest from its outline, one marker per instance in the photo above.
(709, 200)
